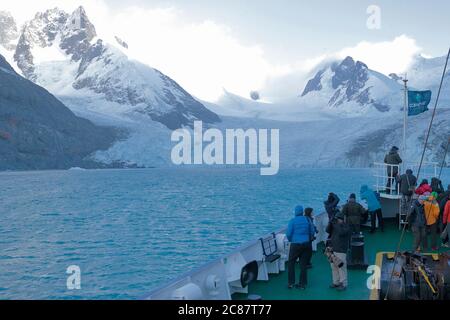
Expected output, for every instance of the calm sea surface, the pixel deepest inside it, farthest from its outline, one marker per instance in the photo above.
(132, 230)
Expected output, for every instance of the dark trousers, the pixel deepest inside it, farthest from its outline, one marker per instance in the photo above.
(432, 231)
(419, 237)
(303, 252)
(354, 223)
(377, 214)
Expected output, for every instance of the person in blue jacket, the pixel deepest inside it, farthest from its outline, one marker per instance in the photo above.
(300, 233)
(373, 206)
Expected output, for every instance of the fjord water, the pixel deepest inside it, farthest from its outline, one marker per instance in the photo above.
(132, 230)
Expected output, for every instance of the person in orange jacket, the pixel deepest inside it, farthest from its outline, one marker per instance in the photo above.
(446, 220)
(431, 210)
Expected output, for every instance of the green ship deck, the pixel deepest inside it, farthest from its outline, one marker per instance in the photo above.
(319, 277)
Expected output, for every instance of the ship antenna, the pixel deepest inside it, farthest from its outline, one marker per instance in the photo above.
(418, 171)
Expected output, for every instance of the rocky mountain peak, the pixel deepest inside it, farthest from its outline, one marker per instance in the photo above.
(72, 33)
(350, 73)
(347, 82)
(8, 30)
(77, 34)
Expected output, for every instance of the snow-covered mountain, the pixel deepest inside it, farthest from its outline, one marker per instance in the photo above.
(425, 74)
(63, 53)
(350, 87)
(345, 115)
(8, 30)
(38, 132)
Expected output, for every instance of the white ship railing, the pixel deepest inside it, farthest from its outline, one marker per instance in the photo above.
(391, 191)
(219, 279)
(384, 172)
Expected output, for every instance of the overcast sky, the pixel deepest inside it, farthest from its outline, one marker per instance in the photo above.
(207, 45)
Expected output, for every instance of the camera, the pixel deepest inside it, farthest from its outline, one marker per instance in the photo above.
(332, 258)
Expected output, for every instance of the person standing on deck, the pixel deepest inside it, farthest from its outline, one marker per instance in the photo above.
(408, 183)
(424, 188)
(373, 206)
(442, 200)
(331, 205)
(300, 232)
(416, 218)
(431, 210)
(353, 212)
(392, 159)
(446, 221)
(339, 242)
(310, 216)
(436, 185)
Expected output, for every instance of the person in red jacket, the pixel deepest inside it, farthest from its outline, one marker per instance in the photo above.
(424, 188)
(446, 220)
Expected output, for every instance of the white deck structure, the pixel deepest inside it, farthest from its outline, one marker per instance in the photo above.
(390, 196)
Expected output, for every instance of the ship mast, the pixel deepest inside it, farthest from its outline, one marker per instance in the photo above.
(405, 116)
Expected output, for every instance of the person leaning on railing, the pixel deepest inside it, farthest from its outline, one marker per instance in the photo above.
(374, 207)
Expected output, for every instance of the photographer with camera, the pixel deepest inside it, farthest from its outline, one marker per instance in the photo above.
(336, 251)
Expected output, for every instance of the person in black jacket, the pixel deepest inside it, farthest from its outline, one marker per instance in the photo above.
(392, 159)
(339, 243)
(331, 205)
(436, 185)
(408, 183)
(417, 221)
(353, 213)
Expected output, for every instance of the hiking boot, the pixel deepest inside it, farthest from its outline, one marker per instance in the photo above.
(334, 286)
(300, 287)
(290, 286)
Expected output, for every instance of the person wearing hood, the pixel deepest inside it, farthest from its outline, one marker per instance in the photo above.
(416, 218)
(408, 183)
(353, 212)
(339, 243)
(300, 233)
(374, 207)
(424, 188)
(446, 220)
(444, 194)
(331, 205)
(436, 185)
(431, 211)
(392, 159)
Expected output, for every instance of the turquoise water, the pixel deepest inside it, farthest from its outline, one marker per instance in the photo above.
(132, 230)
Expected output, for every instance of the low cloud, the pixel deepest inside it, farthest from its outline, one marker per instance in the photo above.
(387, 56)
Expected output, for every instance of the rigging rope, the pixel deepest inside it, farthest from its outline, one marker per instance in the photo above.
(443, 160)
(418, 172)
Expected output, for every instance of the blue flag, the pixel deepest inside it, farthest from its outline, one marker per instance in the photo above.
(418, 102)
